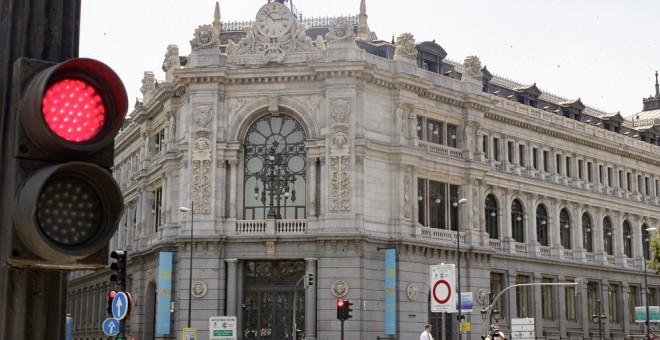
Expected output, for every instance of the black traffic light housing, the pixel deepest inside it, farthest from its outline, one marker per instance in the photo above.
(348, 310)
(66, 204)
(111, 296)
(119, 266)
(309, 279)
(341, 307)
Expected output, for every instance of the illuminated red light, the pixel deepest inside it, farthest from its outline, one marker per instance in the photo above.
(340, 303)
(111, 294)
(74, 110)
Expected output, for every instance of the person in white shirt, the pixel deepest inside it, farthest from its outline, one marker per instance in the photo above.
(426, 334)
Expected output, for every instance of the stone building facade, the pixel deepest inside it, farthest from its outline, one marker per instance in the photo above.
(310, 146)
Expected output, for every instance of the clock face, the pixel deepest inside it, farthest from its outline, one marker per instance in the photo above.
(274, 19)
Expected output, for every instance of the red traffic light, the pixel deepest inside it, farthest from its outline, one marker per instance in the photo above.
(74, 110)
(75, 106)
(111, 294)
(340, 303)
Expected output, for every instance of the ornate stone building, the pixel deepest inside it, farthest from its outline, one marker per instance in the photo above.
(310, 146)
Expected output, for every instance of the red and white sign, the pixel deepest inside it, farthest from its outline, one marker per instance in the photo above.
(443, 281)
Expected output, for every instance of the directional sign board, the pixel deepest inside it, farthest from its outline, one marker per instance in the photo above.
(442, 288)
(120, 306)
(110, 326)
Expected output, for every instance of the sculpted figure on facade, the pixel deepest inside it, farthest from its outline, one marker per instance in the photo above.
(205, 37)
(468, 136)
(171, 126)
(148, 82)
(401, 117)
(171, 58)
(472, 69)
(405, 47)
(340, 30)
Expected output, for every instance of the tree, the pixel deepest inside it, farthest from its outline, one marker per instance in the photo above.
(654, 245)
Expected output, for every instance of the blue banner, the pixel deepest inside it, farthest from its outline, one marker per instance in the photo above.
(390, 291)
(164, 293)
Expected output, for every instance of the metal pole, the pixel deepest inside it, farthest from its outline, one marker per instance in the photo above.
(192, 222)
(646, 294)
(458, 282)
(342, 329)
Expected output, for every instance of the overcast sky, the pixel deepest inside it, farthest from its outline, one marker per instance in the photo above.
(605, 52)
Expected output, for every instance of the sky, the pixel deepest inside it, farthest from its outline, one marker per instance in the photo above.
(605, 52)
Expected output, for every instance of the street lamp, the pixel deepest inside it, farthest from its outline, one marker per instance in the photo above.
(646, 284)
(192, 221)
(598, 317)
(458, 265)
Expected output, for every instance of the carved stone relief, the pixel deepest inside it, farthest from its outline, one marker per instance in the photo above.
(340, 30)
(405, 47)
(205, 37)
(407, 211)
(202, 162)
(340, 181)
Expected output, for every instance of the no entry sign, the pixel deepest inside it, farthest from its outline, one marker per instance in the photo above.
(442, 288)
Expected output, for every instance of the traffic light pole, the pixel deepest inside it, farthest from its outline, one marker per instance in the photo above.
(32, 301)
(342, 329)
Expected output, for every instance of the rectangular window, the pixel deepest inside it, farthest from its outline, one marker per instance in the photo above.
(601, 174)
(522, 297)
(647, 186)
(546, 160)
(558, 165)
(435, 202)
(420, 129)
(653, 297)
(590, 172)
(546, 299)
(521, 155)
(613, 300)
(569, 302)
(580, 169)
(451, 135)
(620, 179)
(496, 149)
(609, 177)
(510, 153)
(632, 302)
(157, 208)
(535, 158)
(160, 141)
(568, 167)
(435, 131)
(485, 147)
(657, 188)
(639, 184)
(496, 284)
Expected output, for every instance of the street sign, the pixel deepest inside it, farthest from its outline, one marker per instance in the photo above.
(222, 328)
(120, 306)
(654, 314)
(110, 326)
(189, 333)
(652, 336)
(523, 329)
(442, 288)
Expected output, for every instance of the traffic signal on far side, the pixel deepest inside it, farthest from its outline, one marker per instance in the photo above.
(119, 266)
(310, 279)
(111, 296)
(63, 121)
(341, 308)
(347, 310)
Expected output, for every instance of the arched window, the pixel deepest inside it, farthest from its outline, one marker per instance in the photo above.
(517, 227)
(587, 233)
(646, 238)
(565, 228)
(492, 226)
(607, 236)
(542, 225)
(275, 169)
(627, 239)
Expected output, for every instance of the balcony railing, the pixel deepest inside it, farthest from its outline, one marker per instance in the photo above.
(269, 227)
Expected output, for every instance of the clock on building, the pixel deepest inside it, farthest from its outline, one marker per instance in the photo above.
(274, 20)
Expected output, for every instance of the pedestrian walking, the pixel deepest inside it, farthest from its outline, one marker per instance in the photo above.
(426, 334)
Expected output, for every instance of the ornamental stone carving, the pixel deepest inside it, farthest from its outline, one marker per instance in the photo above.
(202, 160)
(148, 82)
(472, 69)
(407, 211)
(339, 288)
(199, 289)
(340, 181)
(401, 117)
(412, 291)
(340, 30)
(171, 59)
(405, 47)
(205, 37)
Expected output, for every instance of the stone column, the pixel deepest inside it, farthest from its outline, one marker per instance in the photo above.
(233, 165)
(579, 253)
(220, 193)
(625, 294)
(310, 301)
(538, 305)
(232, 293)
(311, 199)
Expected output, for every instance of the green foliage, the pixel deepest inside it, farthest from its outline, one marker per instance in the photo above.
(654, 264)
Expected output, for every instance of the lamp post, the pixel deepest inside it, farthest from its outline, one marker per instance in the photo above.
(646, 284)
(598, 317)
(192, 221)
(458, 266)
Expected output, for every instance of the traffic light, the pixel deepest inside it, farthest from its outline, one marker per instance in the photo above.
(310, 279)
(111, 296)
(119, 266)
(347, 310)
(63, 121)
(341, 307)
